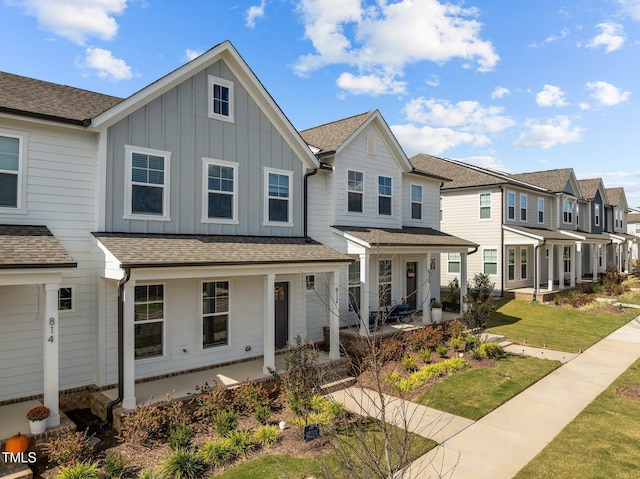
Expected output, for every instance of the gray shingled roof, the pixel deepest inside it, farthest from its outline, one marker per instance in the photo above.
(461, 176)
(36, 98)
(330, 136)
(589, 187)
(633, 218)
(407, 236)
(153, 250)
(614, 195)
(31, 247)
(552, 180)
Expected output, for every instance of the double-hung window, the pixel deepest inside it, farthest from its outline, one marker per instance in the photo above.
(416, 202)
(485, 206)
(523, 207)
(384, 282)
(453, 261)
(215, 313)
(567, 212)
(10, 171)
(65, 299)
(355, 191)
(511, 205)
(490, 261)
(511, 264)
(220, 204)
(149, 321)
(540, 210)
(596, 214)
(278, 204)
(523, 263)
(147, 193)
(566, 258)
(354, 286)
(220, 99)
(384, 195)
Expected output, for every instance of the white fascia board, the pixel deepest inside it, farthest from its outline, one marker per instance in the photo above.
(522, 233)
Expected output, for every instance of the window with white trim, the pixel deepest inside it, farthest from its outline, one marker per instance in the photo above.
(566, 258)
(384, 282)
(485, 206)
(147, 191)
(490, 261)
(220, 99)
(384, 195)
(10, 171)
(453, 262)
(310, 282)
(355, 191)
(596, 214)
(567, 212)
(220, 202)
(278, 204)
(523, 207)
(215, 313)
(65, 299)
(523, 263)
(511, 264)
(149, 321)
(540, 210)
(354, 285)
(511, 205)
(416, 202)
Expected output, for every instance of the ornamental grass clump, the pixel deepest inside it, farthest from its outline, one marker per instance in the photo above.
(81, 470)
(266, 436)
(184, 464)
(424, 375)
(218, 452)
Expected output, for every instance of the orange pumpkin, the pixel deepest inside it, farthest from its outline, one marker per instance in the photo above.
(17, 443)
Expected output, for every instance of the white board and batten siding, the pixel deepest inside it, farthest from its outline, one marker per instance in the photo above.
(60, 168)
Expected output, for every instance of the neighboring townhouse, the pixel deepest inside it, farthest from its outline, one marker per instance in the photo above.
(633, 228)
(370, 203)
(619, 252)
(170, 222)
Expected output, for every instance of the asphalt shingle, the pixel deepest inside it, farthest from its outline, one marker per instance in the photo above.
(31, 247)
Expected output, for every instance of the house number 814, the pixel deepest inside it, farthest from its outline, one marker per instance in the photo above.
(52, 322)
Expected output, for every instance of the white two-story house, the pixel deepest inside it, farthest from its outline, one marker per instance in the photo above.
(616, 210)
(370, 203)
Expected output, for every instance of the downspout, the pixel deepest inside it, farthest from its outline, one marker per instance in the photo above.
(112, 404)
(305, 199)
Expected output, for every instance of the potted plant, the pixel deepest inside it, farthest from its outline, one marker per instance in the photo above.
(436, 312)
(38, 419)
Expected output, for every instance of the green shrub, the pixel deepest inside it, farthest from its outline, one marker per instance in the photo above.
(456, 343)
(248, 396)
(150, 474)
(410, 363)
(80, 470)
(225, 422)
(218, 452)
(184, 464)
(492, 350)
(148, 423)
(242, 443)
(425, 355)
(442, 350)
(425, 374)
(455, 328)
(598, 288)
(68, 448)
(180, 436)
(262, 414)
(114, 465)
(428, 337)
(266, 436)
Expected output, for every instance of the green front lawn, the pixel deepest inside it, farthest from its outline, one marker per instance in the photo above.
(555, 328)
(602, 441)
(475, 392)
(630, 297)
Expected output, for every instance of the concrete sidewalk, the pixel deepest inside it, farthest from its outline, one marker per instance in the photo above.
(505, 440)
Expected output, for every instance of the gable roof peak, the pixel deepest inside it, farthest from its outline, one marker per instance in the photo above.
(329, 137)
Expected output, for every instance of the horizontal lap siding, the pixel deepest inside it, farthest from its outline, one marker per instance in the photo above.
(60, 180)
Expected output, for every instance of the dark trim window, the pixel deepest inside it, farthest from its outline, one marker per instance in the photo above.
(416, 202)
(511, 205)
(215, 313)
(523, 207)
(384, 282)
(10, 149)
(485, 206)
(278, 202)
(354, 285)
(220, 99)
(355, 191)
(384, 195)
(220, 202)
(65, 299)
(149, 321)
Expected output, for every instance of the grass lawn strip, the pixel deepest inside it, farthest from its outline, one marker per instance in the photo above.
(560, 329)
(602, 441)
(476, 392)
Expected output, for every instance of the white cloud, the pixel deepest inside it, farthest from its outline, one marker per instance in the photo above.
(551, 96)
(552, 38)
(500, 92)
(631, 8)
(105, 65)
(253, 13)
(425, 139)
(555, 131)
(75, 20)
(611, 37)
(370, 84)
(389, 36)
(607, 94)
(465, 115)
(433, 80)
(190, 54)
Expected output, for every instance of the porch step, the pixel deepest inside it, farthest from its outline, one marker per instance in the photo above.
(14, 471)
(505, 343)
(338, 385)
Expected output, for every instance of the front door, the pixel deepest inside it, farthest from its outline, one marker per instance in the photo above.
(412, 283)
(281, 291)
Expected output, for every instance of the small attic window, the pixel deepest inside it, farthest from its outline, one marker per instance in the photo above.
(371, 146)
(220, 99)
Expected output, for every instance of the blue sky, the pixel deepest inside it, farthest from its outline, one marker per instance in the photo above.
(514, 85)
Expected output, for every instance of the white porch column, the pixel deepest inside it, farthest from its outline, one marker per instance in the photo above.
(364, 294)
(594, 262)
(426, 288)
(269, 322)
(550, 268)
(579, 262)
(536, 273)
(51, 342)
(128, 348)
(334, 315)
(463, 281)
(561, 266)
